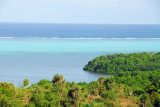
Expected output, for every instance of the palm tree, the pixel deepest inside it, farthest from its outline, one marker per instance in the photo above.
(58, 78)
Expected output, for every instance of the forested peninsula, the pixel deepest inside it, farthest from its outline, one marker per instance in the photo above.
(135, 83)
(116, 63)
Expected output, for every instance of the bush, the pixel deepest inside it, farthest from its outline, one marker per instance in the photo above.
(155, 99)
(111, 95)
(145, 100)
(138, 91)
(26, 82)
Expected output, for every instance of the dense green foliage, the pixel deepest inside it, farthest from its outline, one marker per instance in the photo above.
(115, 63)
(104, 91)
(141, 79)
(144, 83)
(114, 91)
(129, 87)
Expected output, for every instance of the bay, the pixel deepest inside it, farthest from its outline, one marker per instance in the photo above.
(37, 59)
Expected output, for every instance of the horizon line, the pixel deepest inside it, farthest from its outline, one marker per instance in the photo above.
(85, 23)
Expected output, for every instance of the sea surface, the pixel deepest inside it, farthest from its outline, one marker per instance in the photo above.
(39, 51)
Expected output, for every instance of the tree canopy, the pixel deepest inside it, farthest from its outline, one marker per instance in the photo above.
(116, 63)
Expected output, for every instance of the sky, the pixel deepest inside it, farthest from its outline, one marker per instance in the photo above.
(81, 11)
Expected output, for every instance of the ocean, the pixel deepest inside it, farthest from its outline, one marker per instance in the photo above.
(39, 51)
(25, 30)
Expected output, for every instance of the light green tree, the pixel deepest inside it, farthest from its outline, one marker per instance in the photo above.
(26, 82)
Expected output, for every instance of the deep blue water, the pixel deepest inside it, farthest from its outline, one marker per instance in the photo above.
(78, 30)
(39, 51)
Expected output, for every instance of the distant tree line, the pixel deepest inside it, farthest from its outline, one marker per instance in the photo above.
(116, 63)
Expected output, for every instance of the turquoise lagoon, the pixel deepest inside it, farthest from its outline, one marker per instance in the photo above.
(41, 58)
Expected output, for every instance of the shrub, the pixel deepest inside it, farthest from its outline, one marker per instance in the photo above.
(26, 82)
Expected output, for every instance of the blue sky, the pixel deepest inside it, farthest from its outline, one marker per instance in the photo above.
(81, 11)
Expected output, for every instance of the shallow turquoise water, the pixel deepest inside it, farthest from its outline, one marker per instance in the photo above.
(51, 46)
(37, 59)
